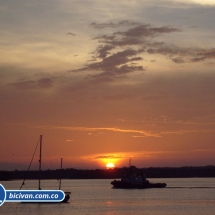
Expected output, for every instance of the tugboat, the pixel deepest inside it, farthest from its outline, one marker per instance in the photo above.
(134, 181)
(138, 182)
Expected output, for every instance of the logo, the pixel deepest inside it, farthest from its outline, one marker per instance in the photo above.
(2, 195)
(30, 195)
(34, 195)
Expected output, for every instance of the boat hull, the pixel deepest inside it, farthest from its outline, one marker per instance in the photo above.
(66, 198)
(133, 185)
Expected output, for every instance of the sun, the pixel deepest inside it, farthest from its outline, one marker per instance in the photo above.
(110, 166)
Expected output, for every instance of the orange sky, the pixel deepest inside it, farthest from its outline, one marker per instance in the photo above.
(104, 81)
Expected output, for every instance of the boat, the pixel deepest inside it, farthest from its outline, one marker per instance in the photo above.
(135, 181)
(138, 182)
(67, 197)
(67, 193)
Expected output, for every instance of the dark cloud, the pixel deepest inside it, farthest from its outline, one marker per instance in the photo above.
(120, 52)
(167, 49)
(71, 34)
(103, 51)
(116, 72)
(113, 25)
(204, 55)
(178, 60)
(105, 38)
(137, 35)
(174, 52)
(115, 65)
(115, 41)
(45, 82)
(23, 85)
(29, 84)
(145, 30)
(114, 60)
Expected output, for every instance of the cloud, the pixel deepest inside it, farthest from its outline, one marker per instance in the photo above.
(204, 55)
(196, 123)
(109, 157)
(137, 35)
(178, 60)
(103, 51)
(71, 34)
(23, 85)
(113, 25)
(172, 51)
(45, 82)
(205, 2)
(109, 61)
(165, 49)
(135, 136)
(115, 60)
(113, 129)
(30, 84)
(115, 65)
(114, 41)
(146, 30)
(134, 132)
(113, 72)
(126, 49)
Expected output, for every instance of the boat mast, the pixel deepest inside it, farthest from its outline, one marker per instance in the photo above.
(61, 163)
(129, 164)
(40, 161)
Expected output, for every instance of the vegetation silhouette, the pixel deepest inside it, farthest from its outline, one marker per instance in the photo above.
(152, 172)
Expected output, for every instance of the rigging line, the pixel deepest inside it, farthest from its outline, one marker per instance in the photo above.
(23, 183)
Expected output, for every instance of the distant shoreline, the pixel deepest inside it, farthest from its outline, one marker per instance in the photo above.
(151, 172)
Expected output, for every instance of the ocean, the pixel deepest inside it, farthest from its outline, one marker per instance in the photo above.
(183, 196)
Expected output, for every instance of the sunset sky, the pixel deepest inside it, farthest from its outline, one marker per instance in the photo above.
(106, 80)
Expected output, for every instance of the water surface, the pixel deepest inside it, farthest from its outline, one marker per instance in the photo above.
(193, 196)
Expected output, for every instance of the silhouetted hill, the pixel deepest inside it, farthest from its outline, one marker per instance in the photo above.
(152, 172)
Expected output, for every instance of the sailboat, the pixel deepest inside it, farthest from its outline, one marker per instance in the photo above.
(67, 194)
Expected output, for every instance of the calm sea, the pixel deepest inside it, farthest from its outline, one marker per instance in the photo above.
(190, 196)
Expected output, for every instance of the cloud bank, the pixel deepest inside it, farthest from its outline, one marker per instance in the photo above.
(125, 50)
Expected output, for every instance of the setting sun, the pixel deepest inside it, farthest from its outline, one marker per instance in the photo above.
(110, 165)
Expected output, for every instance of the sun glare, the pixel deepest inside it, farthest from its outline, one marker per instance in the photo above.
(110, 166)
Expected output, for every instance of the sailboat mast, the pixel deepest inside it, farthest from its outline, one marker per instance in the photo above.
(40, 161)
(61, 164)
